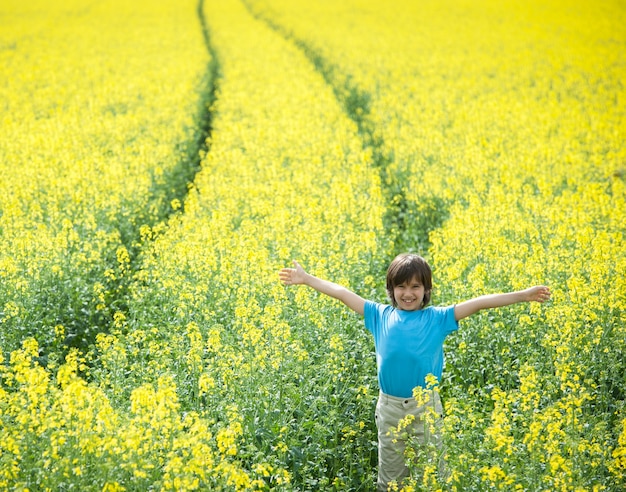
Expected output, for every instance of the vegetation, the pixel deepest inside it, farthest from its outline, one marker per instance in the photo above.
(161, 162)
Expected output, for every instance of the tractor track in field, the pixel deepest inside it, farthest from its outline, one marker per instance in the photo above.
(356, 104)
(173, 185)
(176, 182)
(180, 177)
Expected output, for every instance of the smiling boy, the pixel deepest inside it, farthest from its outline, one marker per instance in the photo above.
(408, 337)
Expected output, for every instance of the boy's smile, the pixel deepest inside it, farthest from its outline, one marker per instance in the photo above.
(409, 295)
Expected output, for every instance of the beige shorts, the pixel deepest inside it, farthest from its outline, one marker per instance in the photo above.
(390, 410)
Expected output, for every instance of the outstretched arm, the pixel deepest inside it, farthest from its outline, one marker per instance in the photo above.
(539, 293)
(297, 276)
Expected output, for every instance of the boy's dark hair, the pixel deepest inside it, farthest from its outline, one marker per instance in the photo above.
(405, 267)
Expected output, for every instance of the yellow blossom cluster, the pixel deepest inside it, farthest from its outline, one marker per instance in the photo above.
(71, 432)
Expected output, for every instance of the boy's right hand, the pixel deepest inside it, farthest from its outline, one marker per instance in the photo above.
(293, 276)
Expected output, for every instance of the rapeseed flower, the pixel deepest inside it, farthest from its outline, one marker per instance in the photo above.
(488, 137)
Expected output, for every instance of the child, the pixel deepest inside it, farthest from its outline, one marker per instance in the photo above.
(408, 338)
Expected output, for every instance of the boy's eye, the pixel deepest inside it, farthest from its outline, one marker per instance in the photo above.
(408, 286)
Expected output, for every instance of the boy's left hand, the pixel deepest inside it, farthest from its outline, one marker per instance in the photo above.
(538, 293)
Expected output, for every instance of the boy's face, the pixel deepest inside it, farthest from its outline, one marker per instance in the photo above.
(409, 295)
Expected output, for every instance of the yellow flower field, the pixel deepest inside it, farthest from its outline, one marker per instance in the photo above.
(503, 127)
(101, 104)
(146, 341)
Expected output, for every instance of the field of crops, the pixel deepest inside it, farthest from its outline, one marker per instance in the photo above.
(161, 161)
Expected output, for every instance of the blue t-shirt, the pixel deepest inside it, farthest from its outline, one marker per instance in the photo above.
(409, 344)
